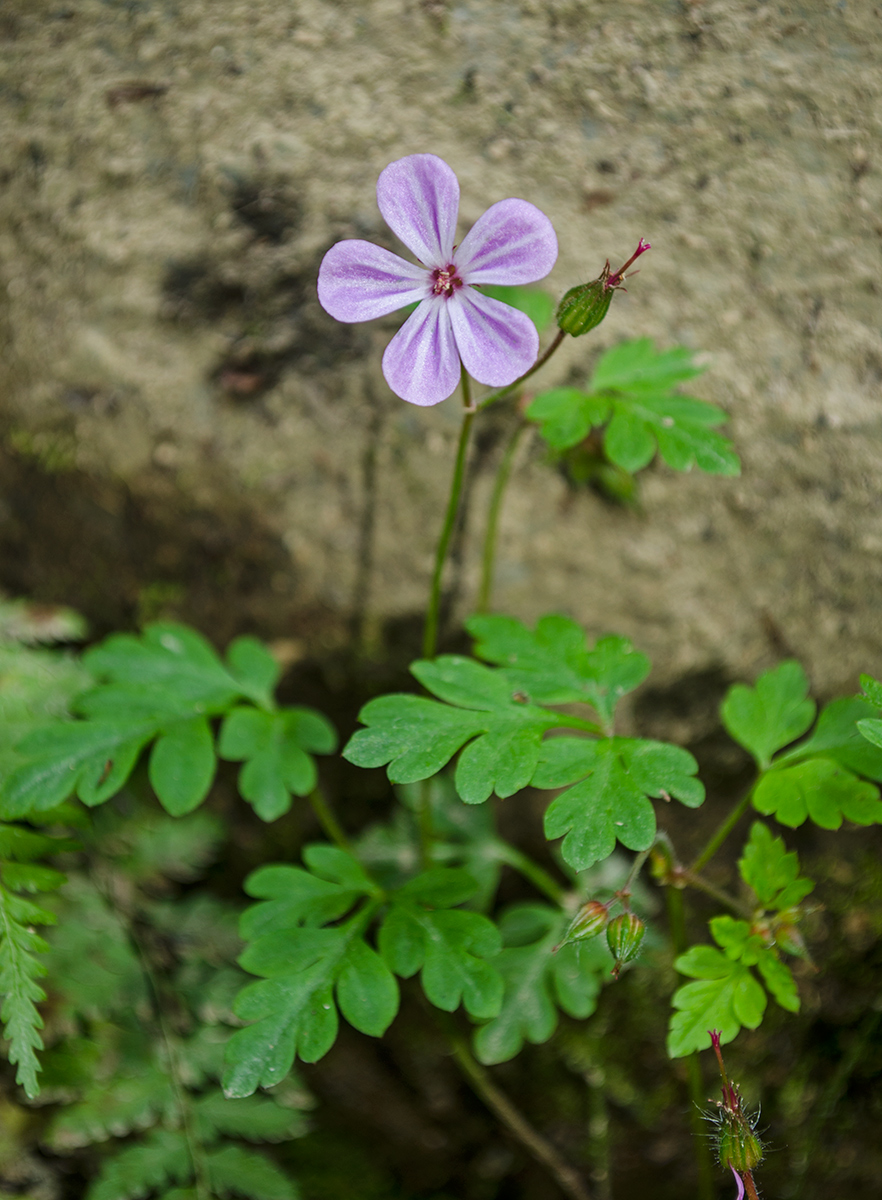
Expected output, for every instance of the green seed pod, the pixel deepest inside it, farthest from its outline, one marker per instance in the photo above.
(591, 919)
(624, 935)
(739, 1147)
(584, 307)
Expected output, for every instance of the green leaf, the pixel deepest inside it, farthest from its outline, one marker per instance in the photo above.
(837, 736)
(113, 1107)
(872, 689)
(252, 664)
(534, 302)
(820, 789)
(613, 779)
(871, 729)
(538, 977)
(294, 897)
(635, 382)
(742, 945)
(772, 873)
(293, 1005)
(637, 364)
(554, 664)
(182, 765)
(254, 1118)
(19, 971)
(449, 946)
(170, 663)
(418, 737)
(235, 1170)
(725, 996)
(91, 758)
(567, 415)
(161, 1158)
(772, 714)
(276, 747)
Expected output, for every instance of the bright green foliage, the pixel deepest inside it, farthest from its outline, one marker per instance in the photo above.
(276, 746)
(20, 968)
(631, 393)
(308, 968)
(422, 931)
(838, 737)
(820, 789)
(871, 727)
(418, 737)
(772, 873)
(536, 303)
(540, 976)
(770, 715)
(163, 687)
(725, 994)
(554, 664)
(613, 779)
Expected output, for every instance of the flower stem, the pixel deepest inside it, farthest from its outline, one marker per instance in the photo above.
(722, 832)
(703, 1163)
(694, 880)
(499, 485)
(430, 633)
(568, 1179)
(327, 820)
(530, 870)
(501, 393)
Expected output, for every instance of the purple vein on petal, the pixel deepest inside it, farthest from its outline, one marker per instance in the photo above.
(421, 364)
(419, 199)
(512, 243)
(358, 281)
(496, 342)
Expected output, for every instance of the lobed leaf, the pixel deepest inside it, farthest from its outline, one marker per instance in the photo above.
(566, 415)
(612, 779)
(837, 736)
(770, 715)
(555, 664)
(820, 789)
(725, 997)
(276, 748)
(773, 874)
(538, 978)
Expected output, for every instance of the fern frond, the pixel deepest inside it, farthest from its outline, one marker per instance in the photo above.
(162, 1158)
(19, 970)
(233, 1170)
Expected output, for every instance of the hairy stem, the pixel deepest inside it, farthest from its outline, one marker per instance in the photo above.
(722, 832)
(501, 393)
(430, 633)
(499, 485)
(329, 823)
(567, 1177)
(703, 1162)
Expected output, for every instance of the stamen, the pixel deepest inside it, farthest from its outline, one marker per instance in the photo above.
(445, 281)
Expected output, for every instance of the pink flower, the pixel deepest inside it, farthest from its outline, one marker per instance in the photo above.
(512, 243)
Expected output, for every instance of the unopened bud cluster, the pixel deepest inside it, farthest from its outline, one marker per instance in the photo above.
(739, 1149)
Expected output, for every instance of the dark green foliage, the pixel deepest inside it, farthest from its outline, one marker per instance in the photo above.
(631, 393)
(539, 977)
(162, 688)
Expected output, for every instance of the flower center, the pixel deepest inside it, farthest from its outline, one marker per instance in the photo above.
(445, 281)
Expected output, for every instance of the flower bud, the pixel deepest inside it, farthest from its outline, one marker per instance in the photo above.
(739, 1147)
(584, 306)
(591, 919)
(624, 935)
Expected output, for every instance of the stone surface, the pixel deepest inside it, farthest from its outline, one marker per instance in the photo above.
(171, 175)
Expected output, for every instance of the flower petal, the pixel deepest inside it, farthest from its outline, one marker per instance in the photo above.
(496, 342)
(419, 199)
(421, 364)
(513, 242)
(358, 281)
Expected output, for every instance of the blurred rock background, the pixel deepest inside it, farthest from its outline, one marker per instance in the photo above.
(183, 428)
